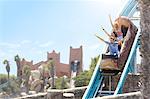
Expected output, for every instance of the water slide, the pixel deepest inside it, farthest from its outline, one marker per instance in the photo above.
(96, 82)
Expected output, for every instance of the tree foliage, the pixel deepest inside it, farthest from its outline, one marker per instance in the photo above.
(62, 83)
(7, 66)
(84, 77)
(3, 78)
(51, 70)
(26, 74)
(11, 87)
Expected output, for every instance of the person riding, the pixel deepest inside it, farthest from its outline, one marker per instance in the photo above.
(118, 36)
(112, 45)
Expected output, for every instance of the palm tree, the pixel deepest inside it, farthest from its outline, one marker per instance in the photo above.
(19, 71)
(145, 47)
(52, 72)
(44, 69)
(26, 74)
(7, 66)
(17, 59)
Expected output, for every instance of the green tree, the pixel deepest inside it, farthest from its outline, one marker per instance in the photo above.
(52, 72)
(83, 78)
(47, 68)
(26, 74)
(93, 64)
(61, 83)
(9, 87)
(3, 78)
(7, 67)
(17, 59)
(19, 72)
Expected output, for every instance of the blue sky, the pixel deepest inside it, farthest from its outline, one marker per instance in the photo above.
(30, 28)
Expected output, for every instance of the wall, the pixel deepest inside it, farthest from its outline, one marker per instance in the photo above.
(132, 83)
(133, 95)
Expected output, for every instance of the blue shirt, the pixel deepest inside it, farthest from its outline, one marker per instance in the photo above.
(113, 47)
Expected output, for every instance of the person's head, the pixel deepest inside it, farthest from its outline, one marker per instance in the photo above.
(114, 34)
(112, 39)
(115, 27)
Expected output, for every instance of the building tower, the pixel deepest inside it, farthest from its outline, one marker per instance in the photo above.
(56, 59)
(75, 60)
(55, 56)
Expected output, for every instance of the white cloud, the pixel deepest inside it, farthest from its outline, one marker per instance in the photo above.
(94, 46)
(10, 45)
(47, 44)
(2, 53)
(25, 41)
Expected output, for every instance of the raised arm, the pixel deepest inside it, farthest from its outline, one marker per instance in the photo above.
(106, 32)
(99, 38)
(111, 21)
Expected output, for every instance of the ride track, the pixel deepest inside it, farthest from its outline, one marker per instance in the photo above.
(97, 78)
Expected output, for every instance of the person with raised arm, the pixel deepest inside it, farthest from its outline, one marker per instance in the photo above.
(112, 45)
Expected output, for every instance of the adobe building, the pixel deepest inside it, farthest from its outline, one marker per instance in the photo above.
(20, 64)
(61, 69)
